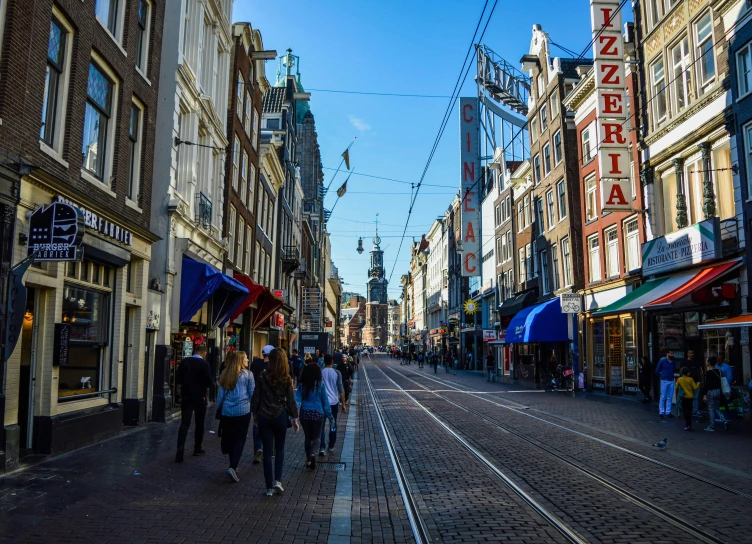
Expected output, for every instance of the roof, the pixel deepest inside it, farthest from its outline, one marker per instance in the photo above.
(274, 98)
(569, 65)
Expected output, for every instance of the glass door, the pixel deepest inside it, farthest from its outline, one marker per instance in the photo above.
(615, 369)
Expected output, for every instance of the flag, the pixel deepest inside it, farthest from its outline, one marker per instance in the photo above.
(342, 190)
(346, 156)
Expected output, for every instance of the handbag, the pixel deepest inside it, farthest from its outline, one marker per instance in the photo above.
(725, 387)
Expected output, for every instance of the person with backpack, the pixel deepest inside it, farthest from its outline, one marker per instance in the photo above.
(665, 371)
(236, 387)
(258, 366)
(314, 410)
(346, 370)
(711, 394)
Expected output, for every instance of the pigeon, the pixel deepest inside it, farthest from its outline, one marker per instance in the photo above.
(661, 444)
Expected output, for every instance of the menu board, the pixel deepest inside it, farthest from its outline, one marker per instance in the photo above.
(615, 377)
(670, 331)
(61, 344)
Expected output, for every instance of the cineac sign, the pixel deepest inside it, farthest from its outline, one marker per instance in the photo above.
(470, 172)
(612, 112)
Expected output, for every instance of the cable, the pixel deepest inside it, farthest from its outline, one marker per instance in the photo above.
(394, 180)
(381, 94)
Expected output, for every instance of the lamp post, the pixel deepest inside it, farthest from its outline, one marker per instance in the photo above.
(460, 250)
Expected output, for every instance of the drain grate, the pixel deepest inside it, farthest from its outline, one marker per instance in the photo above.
(339, 467)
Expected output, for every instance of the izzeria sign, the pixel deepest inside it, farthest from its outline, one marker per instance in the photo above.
(686, 247)
(100, 224)
(470, 162)
(611, 91)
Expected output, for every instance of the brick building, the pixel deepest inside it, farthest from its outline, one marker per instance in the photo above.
(78, 128)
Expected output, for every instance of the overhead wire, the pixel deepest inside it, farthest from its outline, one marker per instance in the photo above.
(394, 180)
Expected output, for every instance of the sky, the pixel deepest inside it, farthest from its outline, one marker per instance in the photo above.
(405, 47)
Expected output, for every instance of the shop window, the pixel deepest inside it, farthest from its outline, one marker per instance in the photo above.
(594, 258)
(630, 349)
(599, 349)
(612, 253)
(670, 329)
(705, 54)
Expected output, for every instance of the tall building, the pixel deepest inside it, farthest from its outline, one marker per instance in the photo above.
(375, 330)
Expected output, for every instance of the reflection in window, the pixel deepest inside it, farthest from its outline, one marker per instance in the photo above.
(98, 112)
(53, 80)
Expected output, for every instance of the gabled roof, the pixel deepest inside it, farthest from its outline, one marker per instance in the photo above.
(274, 98)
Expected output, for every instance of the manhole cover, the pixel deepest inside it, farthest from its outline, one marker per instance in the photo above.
(332, 466)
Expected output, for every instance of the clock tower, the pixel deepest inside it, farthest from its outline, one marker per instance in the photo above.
(375, 332)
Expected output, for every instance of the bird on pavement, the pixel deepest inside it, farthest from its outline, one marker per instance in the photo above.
(661, 444)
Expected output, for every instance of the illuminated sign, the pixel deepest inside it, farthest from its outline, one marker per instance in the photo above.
(611, 91)
(470, 172)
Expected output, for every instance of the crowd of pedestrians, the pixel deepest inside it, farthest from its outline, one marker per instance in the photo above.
(275, 393)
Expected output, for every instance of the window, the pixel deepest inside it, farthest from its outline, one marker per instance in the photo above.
(594, 258)
(522, 264)
(520, 218)
(550, 209)
(658, 75)
(235, 163)
(498, 250)
(134, 151)
(655, 11)
(631, 245)
(562, 193)
(96, 122)
(255, 128)
(555, 266)
(248, 116)
(251, 185)
(567, 257)
(543, 118)
(53, 101)
(497, 215)
(142, 40)
(705, 54)
(504, 250)
(554, 106)
(269, 269)
(247, 256)
(544, 270)
(528, 261)
(591, 205)
(508, 201)
(243, 182)
(239, 96)
(533, 128)
(272, 124)
(510, 249)
(557, 147)
(256, 267)
(241, 241)
(528, 220)
(744, 69)
(541, 85)
(539, 214)
(587, 154)
(536, 169)
(547, 159)
(612, 253)
(682, 76)
(231, 234)
(107, 11)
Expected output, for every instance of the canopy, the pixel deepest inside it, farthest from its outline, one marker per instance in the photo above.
(662, 292)
(254, 291)
(513, 305)
(540, 323)
(267, 305)
(730, 323)
(199, 282)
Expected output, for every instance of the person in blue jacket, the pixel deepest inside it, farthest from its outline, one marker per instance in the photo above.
(665, 372)
(314, 410)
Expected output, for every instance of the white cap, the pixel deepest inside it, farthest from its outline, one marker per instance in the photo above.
(267, 349)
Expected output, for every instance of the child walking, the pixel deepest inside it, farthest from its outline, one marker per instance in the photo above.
(685, 384)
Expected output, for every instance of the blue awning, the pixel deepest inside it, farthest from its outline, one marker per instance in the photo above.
(543, 322)
(200, 281)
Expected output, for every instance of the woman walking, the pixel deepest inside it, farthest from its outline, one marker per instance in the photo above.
(273, 406)
(314, 409)
(234, 407)
(712, 394)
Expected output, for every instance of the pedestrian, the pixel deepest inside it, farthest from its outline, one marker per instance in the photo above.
(307, 359)
(320, 359)
(258, 366)
(646, 378)
(468, 360)
(687, 385)
(711, 394)
(665, 371)
(236, 386)
(421, 358)
(347, 376)
(490, 366)
(435, 361)
(314, 409)
(695, 372)
(296, 362)
(335, 391)
(194, 378)
(273, 404)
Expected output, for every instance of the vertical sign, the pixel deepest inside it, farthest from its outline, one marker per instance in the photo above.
(61, 344)
(470, 163)
(611, 90)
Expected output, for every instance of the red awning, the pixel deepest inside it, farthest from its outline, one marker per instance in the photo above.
(266, 306)
(701, 279)
(254, 291)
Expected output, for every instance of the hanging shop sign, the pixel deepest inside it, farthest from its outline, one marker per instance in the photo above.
(100, 224)
(571, 303)
(686, 247)
(55, 232)
(471, 307)
(611, 114)
(281, 294)
(489, 335)
(470, 172)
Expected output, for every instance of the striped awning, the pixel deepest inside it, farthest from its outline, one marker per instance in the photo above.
(744, 320)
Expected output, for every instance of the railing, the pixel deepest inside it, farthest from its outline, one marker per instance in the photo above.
(730, 235)
(203, 216)
(291, 253)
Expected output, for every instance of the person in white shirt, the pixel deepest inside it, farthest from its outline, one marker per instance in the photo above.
(335, 391)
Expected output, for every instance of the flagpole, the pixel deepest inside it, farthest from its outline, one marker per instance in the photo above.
(340, 166)
(338, 197)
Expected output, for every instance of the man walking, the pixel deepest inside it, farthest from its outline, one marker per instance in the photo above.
(258, 366)
(346, 370)
(490, 366)
(335, 392)
(194, 377)
(665, 372)
(296, 366)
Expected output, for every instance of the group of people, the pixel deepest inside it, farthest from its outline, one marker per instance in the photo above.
(274, 393)
(711, 384)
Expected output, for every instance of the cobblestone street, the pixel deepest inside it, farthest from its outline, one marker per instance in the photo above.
(481, 462)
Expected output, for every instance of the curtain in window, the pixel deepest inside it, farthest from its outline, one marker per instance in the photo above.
(668, 192)
(724, 183)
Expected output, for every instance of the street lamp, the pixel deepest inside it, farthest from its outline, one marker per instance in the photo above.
(460, 250)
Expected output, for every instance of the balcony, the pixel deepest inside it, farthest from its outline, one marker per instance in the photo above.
(290, 258)
(203, 207)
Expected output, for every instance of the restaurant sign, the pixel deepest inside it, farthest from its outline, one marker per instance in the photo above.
(100, 224)
(55, 233)
(686, 247)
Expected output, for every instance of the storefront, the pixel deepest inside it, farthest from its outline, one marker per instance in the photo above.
(254, 314)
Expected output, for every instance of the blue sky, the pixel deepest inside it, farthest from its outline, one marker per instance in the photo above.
(395, 46)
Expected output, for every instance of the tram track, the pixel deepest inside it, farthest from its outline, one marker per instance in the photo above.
(692, 532)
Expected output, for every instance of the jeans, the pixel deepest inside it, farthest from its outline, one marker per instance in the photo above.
(435, 367)
(667, 392)
(332, 435)
(714, 407)
(257, 444)
(491, 375)
(273, 433)
(234, 433)
(312, 431)
(686, 405)
(186, 413)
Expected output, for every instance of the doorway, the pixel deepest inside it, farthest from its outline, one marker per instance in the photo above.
(28, 374)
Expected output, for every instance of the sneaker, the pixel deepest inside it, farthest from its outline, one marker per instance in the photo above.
(312, 462)
(269, 493)
(257, 457)
(331, 450)
(322, 453)
(233, 475)
(710, 429)
(278, 486)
